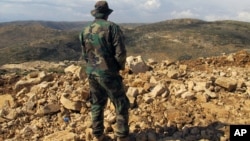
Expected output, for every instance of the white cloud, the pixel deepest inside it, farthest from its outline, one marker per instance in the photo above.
(244, 16)
(125, 10)
(138, 4)
(183, 14)
(240, 16)
(152, 4)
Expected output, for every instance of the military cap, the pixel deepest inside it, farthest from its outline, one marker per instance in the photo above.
(101, 9)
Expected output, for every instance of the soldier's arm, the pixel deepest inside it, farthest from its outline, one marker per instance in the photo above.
(83, 55)
(120, 50)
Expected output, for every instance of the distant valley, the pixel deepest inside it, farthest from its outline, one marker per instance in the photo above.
(178, 39)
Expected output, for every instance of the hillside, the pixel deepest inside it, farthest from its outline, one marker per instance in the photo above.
(178, 39)
(49, 24)
(22, 42)
(191, 100)
(182, 39)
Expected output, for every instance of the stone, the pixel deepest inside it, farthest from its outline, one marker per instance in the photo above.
(31, 80)
(12, 114)
(76, 71)
(180, 92)
(132, 101)
(132, 92)
(151, 61)
(188, 95)
(69, 104)
(200, 86)
(110, 116)
(228, 83)
(153, 80)
(183, 68)
(191, 85)
(147, 98)
(6, 100)
(210, 94)
(173, 74)
(158, 90)
(48, 109)
(137, 64)
(61, 136)
(230, 58)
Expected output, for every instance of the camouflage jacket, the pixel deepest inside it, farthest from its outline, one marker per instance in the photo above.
(103, 47)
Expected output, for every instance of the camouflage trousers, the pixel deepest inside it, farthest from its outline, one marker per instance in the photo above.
(102, 88)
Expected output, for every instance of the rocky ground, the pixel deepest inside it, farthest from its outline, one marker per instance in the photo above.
(186, 101)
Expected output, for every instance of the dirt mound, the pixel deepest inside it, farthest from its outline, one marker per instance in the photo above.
(238, 59)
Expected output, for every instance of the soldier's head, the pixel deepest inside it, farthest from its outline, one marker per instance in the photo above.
(101, 10)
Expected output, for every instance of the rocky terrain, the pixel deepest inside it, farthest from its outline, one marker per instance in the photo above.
(178, 101)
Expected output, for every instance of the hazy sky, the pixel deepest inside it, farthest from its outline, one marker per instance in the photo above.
(125, 11)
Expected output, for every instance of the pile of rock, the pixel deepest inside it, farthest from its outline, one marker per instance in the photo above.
(169, 101)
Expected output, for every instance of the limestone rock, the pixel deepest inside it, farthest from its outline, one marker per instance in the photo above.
(173, 74)
(188, 95)
(32, 79)
(158, 90)
(6, 100)
(228, 83)
(137, 64)
(132, 92)
(48, 109)
(61, 136)
(70, 104)
(76, 70)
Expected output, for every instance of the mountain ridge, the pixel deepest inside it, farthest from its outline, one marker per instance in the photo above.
(176, 39)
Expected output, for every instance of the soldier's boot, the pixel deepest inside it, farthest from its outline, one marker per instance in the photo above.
(91, 137)
(128, 138)
(101, 138)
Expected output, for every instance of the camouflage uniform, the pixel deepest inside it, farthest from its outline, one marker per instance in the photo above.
(104, 51)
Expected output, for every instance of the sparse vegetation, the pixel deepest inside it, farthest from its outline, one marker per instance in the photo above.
(189, 38)
(171, 39)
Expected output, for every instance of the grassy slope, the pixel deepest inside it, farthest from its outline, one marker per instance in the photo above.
(188, 38)
(25, 42)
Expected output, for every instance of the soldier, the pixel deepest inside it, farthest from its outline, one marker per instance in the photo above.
(104, 52)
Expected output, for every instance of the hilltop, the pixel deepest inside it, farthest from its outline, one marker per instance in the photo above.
(179, 39)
